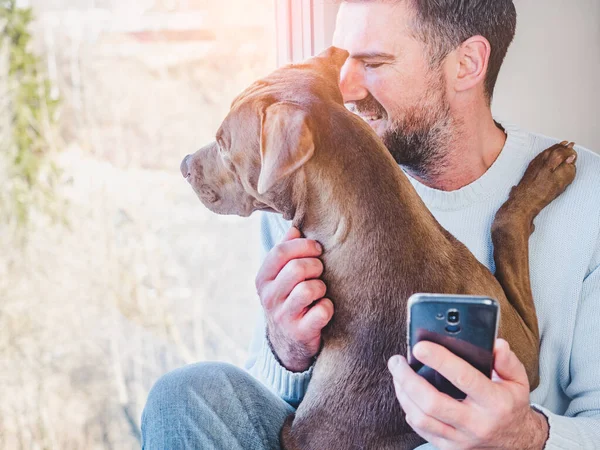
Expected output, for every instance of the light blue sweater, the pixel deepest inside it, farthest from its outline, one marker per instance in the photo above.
(565, 277)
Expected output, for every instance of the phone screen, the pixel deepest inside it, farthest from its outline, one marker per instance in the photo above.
(465, 325)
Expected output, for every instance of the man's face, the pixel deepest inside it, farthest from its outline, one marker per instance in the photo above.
(388, 80)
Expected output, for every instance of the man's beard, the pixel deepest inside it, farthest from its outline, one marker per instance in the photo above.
(418, 140)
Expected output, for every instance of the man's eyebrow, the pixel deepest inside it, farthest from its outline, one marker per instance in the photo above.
(373, 55)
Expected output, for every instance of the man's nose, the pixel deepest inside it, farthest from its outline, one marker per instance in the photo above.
(352, 81)
(185, 170)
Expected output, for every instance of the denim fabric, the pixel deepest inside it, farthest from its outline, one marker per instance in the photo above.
(212, 406)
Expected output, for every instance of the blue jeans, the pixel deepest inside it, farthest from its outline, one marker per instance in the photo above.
(212, 406)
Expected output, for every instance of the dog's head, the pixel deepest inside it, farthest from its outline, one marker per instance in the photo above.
(267, 138)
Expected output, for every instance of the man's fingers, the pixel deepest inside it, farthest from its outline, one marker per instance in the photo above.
(431, 401)
(426, 426)
(281, 255)
(292, 233)
(285, 252)
(295, 272)
(460, 373)
(317, 317)
(507, 365)
(303, 295)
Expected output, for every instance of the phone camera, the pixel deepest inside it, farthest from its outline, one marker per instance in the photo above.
(453, 317)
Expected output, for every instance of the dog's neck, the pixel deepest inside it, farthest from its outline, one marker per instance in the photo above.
(354, 199)
(352, 188)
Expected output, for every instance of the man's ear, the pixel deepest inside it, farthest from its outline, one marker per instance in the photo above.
(473, 59)
(286, 143)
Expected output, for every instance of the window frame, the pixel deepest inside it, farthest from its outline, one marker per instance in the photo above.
(303, 28)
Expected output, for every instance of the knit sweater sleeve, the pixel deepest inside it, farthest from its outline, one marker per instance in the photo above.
(579, 427)
(261, 363)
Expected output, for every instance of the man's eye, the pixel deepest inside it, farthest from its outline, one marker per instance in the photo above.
(373, 65)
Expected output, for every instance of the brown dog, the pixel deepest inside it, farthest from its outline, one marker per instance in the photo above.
(290, 146)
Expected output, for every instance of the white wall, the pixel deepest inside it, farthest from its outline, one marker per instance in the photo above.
(550, 81)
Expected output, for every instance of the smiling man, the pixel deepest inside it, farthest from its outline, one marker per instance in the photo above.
(422, 74)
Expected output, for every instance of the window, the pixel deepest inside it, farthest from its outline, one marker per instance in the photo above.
(136, 277)
(304, 28)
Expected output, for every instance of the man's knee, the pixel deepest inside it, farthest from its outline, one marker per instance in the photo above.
(212, 405)
(175, 391)
(187, 395)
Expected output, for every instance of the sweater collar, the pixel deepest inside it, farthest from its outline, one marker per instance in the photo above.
(505, 172)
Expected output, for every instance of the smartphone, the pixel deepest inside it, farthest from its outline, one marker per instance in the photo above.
(467, 325)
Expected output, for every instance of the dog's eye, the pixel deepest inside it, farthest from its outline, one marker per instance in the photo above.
(223, 154)
(225, 157)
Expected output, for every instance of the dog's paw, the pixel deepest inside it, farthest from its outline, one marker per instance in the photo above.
(547, 176)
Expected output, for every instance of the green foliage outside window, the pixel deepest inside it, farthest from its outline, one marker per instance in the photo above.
(30, 119)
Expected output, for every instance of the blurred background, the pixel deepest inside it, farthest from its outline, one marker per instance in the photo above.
(111, 271)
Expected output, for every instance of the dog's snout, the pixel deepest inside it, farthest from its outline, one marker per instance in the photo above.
(185, 170)
(208, 194)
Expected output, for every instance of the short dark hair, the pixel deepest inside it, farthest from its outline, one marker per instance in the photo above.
(445, 24)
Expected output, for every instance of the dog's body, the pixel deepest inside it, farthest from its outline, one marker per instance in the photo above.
(325, 169)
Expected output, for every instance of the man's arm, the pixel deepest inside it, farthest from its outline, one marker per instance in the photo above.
(487, 417)
(579, 428)
(286, 283)
(263, 365)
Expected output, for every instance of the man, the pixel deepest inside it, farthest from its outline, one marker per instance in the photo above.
(422, 74)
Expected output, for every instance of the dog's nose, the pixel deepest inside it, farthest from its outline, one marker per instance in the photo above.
(185, 171)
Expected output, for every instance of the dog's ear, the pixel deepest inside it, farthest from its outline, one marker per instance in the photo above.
(331, 61)
(286, 143)
(335, 57)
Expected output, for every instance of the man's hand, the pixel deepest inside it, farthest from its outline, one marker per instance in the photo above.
(496, 413)
(292, 297)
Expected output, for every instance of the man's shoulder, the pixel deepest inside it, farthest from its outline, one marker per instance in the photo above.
(581, 201)
(542, 142)
(588, 163)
